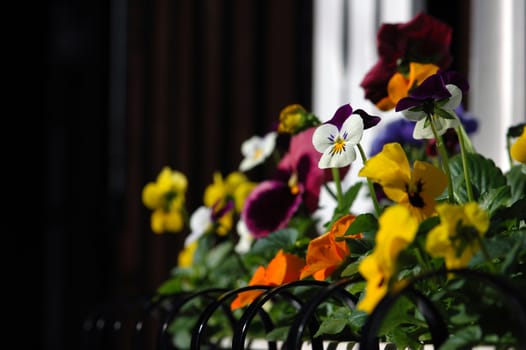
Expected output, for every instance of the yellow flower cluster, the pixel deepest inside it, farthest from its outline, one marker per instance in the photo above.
(166, 197)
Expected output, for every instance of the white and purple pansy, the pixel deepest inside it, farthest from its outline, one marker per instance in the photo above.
(336, 138)
(435, 100)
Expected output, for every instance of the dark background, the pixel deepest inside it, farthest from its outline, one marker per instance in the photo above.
(131, 86)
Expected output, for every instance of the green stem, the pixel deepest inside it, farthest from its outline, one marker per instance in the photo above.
(370, 183)
(338, 183)
(467, 179)
(330, 191)
(444, 157)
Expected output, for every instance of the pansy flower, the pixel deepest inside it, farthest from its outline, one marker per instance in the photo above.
(401, 84)
(518, 149)
(424, 39)
(166, 197)
(326, 252)
(397, 229)
(283, 268)
(256, 149)
(450, 137)
(294, 118)
(298, 180)
(415, 188)
(435, 100)
(456, 238)
(218, 219)
(336, 138)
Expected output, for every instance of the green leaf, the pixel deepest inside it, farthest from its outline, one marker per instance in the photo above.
(517, 182)
(350, 195)
(398, 314)
(359, 246)
(363, 223)
(495, 198)
(442, 113)
(463, 338)
(217, 254)
(513, 253)
(331, 325)
(483, 174)
(268, 246)
(350, 269)
(169, 286)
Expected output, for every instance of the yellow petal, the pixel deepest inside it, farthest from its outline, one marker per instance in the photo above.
(389, 168)
(518, 149)
(398, 87)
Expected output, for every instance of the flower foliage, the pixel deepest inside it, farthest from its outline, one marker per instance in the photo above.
(438, 204)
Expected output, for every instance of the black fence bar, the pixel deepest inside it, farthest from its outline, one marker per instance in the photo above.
(305, 297)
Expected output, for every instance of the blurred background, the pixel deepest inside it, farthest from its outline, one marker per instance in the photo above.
(133, 85)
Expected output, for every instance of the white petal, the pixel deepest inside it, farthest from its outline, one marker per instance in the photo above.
(269, 142)
(249, 146)
(414, 116)
(353, 126)
(455, 99)
(200, 221)
(320, 137)
(245, 238)
(338, 160)
(442, 124)
(256, 150)
(420, 132)
(247, 164)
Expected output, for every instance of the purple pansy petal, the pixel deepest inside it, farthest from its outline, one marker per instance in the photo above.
(368, 120)
(455, 78)
(269, 207)
(219, 213)
(342, 113)
(406, 103)
(433, 88)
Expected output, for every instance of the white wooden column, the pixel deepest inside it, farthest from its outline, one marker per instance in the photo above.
(339, 68)
(497, 73)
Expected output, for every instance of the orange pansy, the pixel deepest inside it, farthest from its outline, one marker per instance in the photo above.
(283, 268)
(326, 253)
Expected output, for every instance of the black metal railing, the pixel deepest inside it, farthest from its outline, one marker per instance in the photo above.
(122, 325)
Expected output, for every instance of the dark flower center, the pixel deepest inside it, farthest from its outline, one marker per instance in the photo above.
(414, 194)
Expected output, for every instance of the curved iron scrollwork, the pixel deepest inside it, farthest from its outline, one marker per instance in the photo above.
(514, 297)
(108, 319)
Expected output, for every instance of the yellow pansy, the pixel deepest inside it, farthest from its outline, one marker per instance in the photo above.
(415, 188)
(163, 221)
(518, 149)
(166, 197)
(291, 118)
(397, 229)
(455, 238)
(186, 256)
